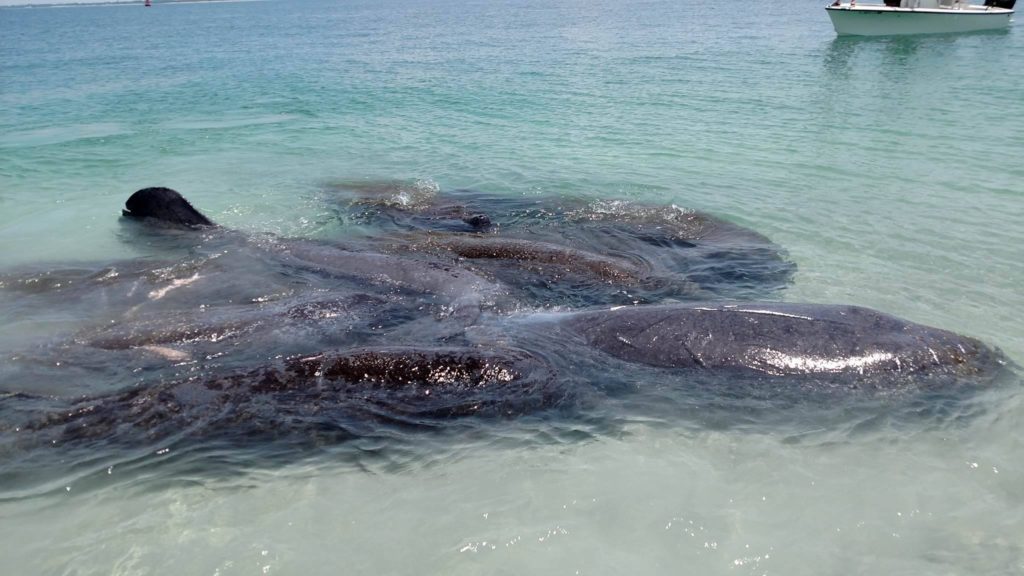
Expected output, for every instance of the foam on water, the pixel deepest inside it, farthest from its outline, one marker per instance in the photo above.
(889, 169)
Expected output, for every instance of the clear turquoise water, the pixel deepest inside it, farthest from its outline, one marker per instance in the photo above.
(889, 168)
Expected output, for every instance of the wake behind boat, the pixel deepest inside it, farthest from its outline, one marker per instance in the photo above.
(897, 17)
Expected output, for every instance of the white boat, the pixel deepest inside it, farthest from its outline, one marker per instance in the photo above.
(895, 17)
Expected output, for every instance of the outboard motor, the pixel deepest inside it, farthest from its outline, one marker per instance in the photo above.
(1008, 4)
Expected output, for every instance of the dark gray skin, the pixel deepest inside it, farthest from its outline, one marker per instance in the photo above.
(547, 274)
(465, 291)
(775, 338)
(567, 252)
(684, 253)
(780, 339)
(335, 393)
(542, 253)
(255, 347)
(345, 394)
(166, 206)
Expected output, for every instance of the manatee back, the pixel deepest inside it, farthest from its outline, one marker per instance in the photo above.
(779, 339)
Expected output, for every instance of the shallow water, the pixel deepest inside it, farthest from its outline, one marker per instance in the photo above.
(887, 168)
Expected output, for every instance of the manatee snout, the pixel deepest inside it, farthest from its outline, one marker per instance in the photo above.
(478, 221)
(164, 205)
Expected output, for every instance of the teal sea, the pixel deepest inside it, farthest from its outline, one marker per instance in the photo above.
(890, 169)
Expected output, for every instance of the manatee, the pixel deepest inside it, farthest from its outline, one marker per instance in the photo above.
(338, 393)
(438, 320)
(344, 312)
(603, 253)
(407, 206)
(781, 339)
(462, 290)
(227, 268)
(546, 362)
(711, 257)
(544, 253)
(165, 206)
(546, 274)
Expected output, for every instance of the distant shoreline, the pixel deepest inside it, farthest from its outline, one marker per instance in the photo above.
(94, 3)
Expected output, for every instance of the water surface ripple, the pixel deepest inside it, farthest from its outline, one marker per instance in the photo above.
(888, 169)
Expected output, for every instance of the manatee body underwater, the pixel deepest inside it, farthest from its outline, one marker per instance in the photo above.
(463, 308)
(574, 251)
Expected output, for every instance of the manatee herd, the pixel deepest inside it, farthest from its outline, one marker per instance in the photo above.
(432, 309)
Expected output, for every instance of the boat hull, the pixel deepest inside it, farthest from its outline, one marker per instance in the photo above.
(885, 21)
